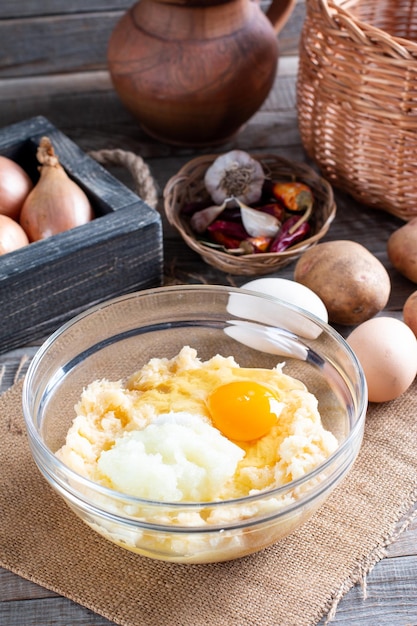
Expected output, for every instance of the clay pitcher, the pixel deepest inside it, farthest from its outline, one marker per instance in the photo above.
(194, 71)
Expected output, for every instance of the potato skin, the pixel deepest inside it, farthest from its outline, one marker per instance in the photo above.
(410, 312)
(402, 249)
(351, 281)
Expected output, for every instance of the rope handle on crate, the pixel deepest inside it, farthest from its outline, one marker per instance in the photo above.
(363, 33)
(145, 185)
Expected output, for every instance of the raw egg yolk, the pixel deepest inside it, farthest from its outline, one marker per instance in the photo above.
(243, 410)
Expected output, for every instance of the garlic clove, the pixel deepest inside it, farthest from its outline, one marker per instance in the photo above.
(202, 219)
(259, 224)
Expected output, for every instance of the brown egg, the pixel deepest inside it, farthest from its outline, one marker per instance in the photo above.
(387, 350)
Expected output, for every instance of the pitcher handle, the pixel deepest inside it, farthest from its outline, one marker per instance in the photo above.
(278, 13)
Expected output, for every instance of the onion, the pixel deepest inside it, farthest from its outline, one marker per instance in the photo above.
(15, 185)
(56, 203)
(12, 236)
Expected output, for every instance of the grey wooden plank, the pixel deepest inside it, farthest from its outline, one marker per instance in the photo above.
(14, 587)
(48, 38)
(92, 102)
(46, 86)
(102, 109)
(94, 109)
(32, 8)
(406, 543)
(11, 9)
(13, 365)
(53, 44)
(391, 598)
(48, 612)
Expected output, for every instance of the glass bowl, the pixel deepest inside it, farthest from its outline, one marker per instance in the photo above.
(114, 339)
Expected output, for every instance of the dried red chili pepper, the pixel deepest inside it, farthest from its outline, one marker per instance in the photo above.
(227, 242)
(297, 197)
(230, 229)
(227, 234)
(252, 245)
(287, 237)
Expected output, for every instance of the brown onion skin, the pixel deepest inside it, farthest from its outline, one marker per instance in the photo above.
(15, 185)
(12, 235)
(54, 205)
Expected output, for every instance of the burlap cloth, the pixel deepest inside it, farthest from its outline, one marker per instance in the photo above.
(293, 583)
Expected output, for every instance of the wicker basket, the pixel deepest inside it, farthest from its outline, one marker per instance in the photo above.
(188, 186)
(357, 98)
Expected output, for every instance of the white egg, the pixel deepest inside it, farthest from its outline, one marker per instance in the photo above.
(275, 315)
(266, 339)
(291, 292)
(387, 350)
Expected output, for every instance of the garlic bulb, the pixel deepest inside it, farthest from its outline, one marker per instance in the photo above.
(235, 174)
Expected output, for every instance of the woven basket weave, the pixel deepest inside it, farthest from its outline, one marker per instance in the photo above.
(357, 98)
(188, 186)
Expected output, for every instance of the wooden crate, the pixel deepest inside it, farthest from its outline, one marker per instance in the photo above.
(47, 282)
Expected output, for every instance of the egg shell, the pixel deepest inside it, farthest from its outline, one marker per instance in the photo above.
(387, 351)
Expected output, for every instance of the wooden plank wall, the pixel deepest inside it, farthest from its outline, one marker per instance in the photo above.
(53, 53)
(54, 36)
(53, 61)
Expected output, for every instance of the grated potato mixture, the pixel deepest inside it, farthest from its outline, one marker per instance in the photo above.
(151, 436)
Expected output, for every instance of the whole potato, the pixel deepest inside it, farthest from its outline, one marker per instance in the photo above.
(402, 249)
(352, 282)
(410, 312)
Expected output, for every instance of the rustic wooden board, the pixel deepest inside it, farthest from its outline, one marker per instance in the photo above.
(83, 105)
(49, 281)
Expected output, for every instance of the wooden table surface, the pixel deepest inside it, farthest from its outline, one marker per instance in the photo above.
(88, 111)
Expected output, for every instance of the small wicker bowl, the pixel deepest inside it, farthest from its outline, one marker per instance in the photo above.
(188, 186)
